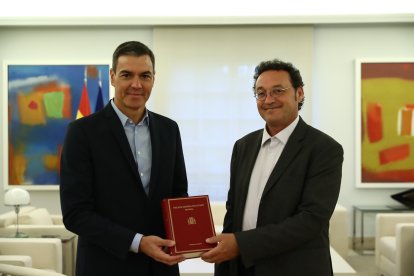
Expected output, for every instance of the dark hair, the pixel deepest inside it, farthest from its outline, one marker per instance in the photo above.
(278, 65)
(132, 48)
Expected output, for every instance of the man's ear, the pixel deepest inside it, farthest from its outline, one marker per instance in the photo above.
(300, 94)
(112, 75)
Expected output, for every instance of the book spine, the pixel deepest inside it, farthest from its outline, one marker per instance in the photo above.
(167, 222)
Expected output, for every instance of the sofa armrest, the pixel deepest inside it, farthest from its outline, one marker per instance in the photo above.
(19, 260)
(37, 230)
(385, 225)
(405, 248)
(25, 271)
(386, 222)
(338, 230)
(46, 253)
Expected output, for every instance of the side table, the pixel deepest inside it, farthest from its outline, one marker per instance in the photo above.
(363, 209)
(68, 252)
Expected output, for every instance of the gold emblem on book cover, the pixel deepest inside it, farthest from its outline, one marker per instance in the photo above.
(191, 220)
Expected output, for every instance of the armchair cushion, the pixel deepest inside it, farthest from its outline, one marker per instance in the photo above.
(39, 216)
(26, 271)
(10, 217)
(20, 260)
(57, 219)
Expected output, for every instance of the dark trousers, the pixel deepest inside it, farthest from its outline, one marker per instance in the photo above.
(243, 271)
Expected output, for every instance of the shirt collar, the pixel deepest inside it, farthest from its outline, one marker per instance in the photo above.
(125, 120)
(283, 135)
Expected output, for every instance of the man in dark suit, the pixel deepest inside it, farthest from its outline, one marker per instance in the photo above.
(116, 167)
(284, 185)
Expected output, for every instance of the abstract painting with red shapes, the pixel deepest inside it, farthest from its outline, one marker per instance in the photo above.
(387, 124)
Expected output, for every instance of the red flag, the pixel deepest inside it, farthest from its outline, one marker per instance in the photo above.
(84, 105)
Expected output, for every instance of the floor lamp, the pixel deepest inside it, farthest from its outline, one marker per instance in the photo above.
(17, 197)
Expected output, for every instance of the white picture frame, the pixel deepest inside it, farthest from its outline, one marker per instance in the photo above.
(39, 100)
(384, 140)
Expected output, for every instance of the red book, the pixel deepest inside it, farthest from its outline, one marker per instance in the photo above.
(188, 221)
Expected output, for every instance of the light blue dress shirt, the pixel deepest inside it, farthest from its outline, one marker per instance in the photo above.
(139, 140)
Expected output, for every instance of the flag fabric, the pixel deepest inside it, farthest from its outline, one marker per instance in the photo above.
(84, 108)
(99, 99)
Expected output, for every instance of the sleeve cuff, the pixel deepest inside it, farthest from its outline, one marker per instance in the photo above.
(135, 243)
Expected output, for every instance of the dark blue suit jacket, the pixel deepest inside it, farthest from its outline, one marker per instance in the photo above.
(102, 197)
(291, 238)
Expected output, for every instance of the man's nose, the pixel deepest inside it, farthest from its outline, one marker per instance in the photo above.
(269, 99)
(136, 83)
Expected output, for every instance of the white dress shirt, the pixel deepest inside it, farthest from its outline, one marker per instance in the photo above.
(269, 153)
(139, 140)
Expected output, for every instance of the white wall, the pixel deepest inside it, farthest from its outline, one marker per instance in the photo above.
(207, 89)
(166, 8)
(335, 49)
(28, 44)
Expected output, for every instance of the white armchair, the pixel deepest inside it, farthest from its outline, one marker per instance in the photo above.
(45, 253)
(394, 244)
(38, 222)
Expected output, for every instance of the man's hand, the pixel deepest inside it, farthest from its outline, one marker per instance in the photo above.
(226, 249)
(153, 247)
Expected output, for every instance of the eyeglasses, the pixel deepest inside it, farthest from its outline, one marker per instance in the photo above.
(261, 95)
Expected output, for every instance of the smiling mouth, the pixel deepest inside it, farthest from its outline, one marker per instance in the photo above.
(272, 107)
(135, 94)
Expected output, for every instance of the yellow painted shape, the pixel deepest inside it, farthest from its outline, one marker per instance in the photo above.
(19, 168)
(391, 94)
(31, 116)
(50, 162)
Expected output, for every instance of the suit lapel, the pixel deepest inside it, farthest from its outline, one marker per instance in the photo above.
(156, 145)
(246, 168)
(292, 148)
(119, 133)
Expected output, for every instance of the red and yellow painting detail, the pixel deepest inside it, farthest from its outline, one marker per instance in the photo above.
(42, 100)
(387, 129)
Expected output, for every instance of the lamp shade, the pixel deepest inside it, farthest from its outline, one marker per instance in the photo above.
(16, 196)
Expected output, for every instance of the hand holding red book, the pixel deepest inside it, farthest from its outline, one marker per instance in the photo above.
(189, 222)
